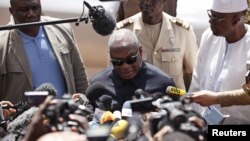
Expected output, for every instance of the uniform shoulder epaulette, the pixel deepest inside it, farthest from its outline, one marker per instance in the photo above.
(124, 23)
(180, 22)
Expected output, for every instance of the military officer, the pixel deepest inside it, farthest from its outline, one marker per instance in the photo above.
(168, 42)
(128, 8)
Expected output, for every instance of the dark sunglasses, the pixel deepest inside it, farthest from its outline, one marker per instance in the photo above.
(130, 60)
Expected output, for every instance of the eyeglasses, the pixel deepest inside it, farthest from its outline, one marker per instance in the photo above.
(129, 60)
(209, 13)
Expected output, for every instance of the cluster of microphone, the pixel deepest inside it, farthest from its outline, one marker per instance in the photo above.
(108, 124)
(173, 110)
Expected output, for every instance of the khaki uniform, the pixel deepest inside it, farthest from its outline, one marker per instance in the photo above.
(235, 97)
(176, 49)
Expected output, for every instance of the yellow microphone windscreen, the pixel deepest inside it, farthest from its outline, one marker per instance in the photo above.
(106, 117)
(119, 129)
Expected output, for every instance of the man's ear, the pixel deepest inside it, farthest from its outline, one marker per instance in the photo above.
(140, 50)
(236, 19)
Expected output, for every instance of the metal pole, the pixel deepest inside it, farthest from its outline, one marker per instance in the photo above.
(10, 27)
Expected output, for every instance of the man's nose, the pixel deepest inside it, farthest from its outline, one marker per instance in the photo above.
(31, 13)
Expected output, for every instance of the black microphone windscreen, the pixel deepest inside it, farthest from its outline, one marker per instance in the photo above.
(156, 95)
(95, 90)
(106, 99)
(105, 103)
(105, 24)
(47, 87)
(139, 93)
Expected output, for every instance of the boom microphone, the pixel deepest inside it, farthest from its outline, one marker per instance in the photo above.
(102, 21)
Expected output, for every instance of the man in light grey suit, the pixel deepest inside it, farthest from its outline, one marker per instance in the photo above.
(34, 55)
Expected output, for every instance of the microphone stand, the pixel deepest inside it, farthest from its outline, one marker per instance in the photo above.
(77, 20)
(69, 20)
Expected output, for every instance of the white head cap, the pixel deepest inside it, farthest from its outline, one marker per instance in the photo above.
(229, 6)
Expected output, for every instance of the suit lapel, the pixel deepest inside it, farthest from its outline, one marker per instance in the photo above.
(17, 47)
(57, 46)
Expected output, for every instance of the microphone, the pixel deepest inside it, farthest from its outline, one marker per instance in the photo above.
(156, 95)
(118, 130)
(117, 114)
(22, 120)
(178, 92)
(117, 117)
(95, 90)
(47, 87)
(102, 21)
(107, 118)
(140, 94)
(126, 109)
(175, 91)
(105, 103)
(35, 98)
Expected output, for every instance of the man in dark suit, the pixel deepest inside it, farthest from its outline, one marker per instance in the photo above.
(128, 72)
